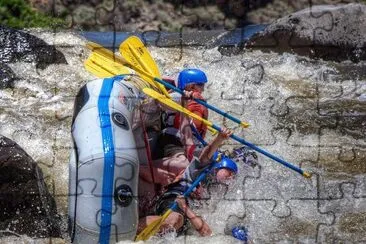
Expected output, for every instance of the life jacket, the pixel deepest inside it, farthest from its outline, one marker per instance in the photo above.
(168, 116)
(195, 107)
(171, 121)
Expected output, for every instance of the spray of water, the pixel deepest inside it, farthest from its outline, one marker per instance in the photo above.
(287, 99)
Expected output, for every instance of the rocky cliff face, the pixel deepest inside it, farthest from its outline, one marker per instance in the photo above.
(173, 15)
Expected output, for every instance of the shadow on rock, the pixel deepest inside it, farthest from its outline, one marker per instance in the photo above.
(27, 207)
(20, 46)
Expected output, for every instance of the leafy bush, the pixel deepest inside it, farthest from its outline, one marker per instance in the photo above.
(19, 14)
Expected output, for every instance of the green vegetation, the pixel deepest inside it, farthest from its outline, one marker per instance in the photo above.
(19, 14)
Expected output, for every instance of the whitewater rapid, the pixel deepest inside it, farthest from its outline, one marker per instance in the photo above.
(290, 102)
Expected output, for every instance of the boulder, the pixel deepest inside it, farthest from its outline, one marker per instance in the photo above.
(27, 207)
(18, 45)
(329, 32)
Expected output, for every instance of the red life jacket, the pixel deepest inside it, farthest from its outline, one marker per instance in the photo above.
(201, 111)
(198, 109)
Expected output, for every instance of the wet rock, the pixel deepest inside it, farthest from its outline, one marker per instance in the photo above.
(330, 32)
(296, 227)
(43, 6)
(20, 46)
(353, 222)
(350, 162)
(84, 15)
(25, 202)
(7, 76)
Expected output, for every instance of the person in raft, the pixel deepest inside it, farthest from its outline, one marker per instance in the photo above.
(176, 141)
(223, 171)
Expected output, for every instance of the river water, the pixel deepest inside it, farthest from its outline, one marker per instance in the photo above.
(310, 113)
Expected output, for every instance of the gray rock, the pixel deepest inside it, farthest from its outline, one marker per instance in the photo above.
(7, 76)
(26, 206)
(20, 46)
(84, 15)
(330, 32)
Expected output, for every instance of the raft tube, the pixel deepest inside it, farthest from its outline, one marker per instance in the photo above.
(104, 163)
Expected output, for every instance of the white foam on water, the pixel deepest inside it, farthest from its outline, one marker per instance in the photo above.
(37, 115)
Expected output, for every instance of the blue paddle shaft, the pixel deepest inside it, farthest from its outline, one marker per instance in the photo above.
(238, 139)
(202, 102)
(196, 182)
(277, 159)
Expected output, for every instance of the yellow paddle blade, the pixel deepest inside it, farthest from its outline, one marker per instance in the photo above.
(94, 65)
(104, 68)
(152, 228)
(107, 60)
(105, 53)
(114, 63)
(136, 54)
(96, 70)
(170, 103)
(104, 63)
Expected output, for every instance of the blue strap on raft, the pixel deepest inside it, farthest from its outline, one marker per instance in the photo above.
(109, 160)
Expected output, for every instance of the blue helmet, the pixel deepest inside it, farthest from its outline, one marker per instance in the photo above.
(191, 76)
(240, 232)
(227, 163)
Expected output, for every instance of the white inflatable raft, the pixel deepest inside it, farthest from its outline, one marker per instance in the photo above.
(104, 163)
